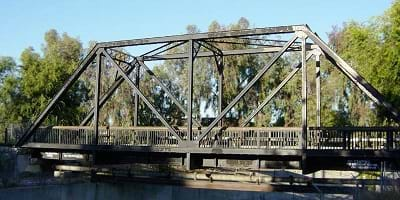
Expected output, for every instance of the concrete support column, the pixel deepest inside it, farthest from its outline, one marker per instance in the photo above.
(193, 162)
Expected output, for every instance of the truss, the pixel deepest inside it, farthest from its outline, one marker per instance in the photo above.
(205, 45)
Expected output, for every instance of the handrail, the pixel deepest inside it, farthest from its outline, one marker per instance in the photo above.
(318, 138)
(181, 128)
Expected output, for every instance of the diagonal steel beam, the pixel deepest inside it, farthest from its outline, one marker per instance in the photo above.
(70, 81)
(136, 97)
(164, 50)
(118, 81)
(155, 52)
(156, 49)
(274, 92)
(358, 80)
(145, 100)
(169, 94)
(210, 47)
(247, 88)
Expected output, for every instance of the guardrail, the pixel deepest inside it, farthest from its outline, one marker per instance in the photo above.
(321, 138)
(253, 138)
(122, 136)
(354, 138)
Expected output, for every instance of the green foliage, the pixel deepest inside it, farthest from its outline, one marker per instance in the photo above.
(373, 49)
(9, 93)
(43, 76)
(26, 90)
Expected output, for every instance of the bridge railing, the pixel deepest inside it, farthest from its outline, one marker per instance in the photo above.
(353, 138)
(253, 138)
(245, 138)
(122, 136)
(322, 138)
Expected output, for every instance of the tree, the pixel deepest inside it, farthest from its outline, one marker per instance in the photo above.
(9, 93)
(373, 49)
(43, 76)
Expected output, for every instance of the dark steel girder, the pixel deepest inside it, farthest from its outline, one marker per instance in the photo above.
(99, 63)
(202, 54)
(163, 48)
(199, 36)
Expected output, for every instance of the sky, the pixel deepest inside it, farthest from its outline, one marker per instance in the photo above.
(24, 22)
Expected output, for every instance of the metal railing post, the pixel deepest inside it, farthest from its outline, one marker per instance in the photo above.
(86, 137)
(148, 138)
(59, 136)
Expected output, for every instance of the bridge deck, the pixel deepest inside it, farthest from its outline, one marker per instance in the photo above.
(326, 148)
(249, 140)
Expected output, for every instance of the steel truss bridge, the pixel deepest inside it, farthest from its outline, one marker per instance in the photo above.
(314, 147)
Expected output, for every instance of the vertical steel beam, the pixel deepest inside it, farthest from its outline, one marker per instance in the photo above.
(97, 96)
(318, 87)
(221, 91)
(136, 109)
(190, 92)
(303, 139)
